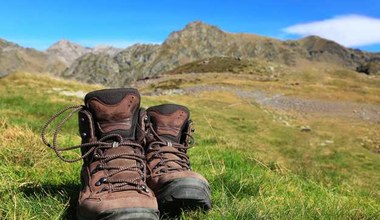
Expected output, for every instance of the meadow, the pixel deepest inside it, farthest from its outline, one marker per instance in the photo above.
(258, 166)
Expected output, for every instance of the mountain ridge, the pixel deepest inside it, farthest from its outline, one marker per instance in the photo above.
(196, 41)
(15, 58)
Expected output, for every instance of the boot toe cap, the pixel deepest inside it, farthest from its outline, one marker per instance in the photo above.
(117, 205)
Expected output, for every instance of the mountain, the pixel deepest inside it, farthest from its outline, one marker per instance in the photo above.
(114, 69)
(66, 51)
(58, 57)
(15, 58)
(199, 40)
(196, 42)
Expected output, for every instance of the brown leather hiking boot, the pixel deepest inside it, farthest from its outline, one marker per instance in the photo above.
(169, 174)
(114, 172)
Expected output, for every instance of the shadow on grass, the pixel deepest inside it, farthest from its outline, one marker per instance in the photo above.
(70, 190)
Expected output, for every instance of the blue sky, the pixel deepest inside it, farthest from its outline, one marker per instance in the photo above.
(121, 23)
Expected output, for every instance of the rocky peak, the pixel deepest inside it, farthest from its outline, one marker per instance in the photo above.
(370, 68)
(67, 51)
(195, 31)
(65, 45)
(199, 26)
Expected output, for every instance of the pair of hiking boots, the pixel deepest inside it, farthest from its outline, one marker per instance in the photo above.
(135, 161)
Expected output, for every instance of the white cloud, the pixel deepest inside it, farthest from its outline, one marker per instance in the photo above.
(348, 30)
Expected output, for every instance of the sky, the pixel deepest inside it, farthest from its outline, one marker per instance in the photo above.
(121, 23)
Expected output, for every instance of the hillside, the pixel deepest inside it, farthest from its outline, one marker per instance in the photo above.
(264, 160)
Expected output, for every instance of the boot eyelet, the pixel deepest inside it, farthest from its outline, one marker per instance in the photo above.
(101, 181)
(143, 187)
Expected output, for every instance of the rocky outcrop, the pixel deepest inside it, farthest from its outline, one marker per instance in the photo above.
(370, 68)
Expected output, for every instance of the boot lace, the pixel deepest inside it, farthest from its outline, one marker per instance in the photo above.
(95, 151)
(161, 149)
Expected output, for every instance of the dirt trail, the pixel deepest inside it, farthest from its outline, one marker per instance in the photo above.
(354, 110)
(345, 109)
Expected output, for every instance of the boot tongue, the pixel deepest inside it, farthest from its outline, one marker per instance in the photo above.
(115, 111)
(169, 120)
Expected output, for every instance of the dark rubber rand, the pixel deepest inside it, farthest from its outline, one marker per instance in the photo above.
(184, 194)
(126, 214)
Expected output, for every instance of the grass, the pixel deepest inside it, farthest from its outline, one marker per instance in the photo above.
(258, 167)
(227, 64)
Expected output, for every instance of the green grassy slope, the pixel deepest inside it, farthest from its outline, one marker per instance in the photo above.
(258, 168)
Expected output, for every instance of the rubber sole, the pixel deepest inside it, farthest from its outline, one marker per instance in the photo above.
(126, 214)
(184, 194)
